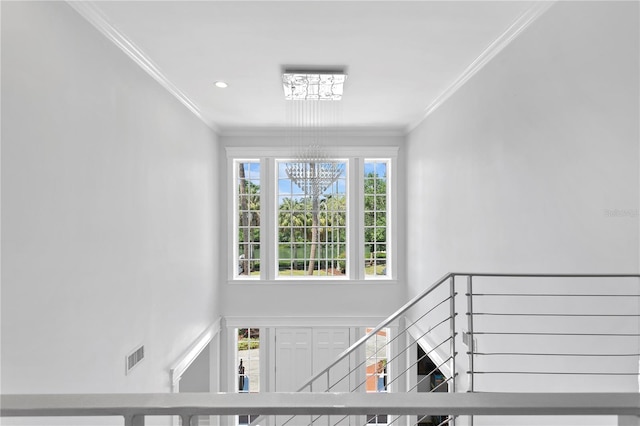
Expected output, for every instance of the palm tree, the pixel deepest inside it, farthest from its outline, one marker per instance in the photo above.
(314, 178)
(244, 219)
(292, 221)
(333, 226)
(249, 194)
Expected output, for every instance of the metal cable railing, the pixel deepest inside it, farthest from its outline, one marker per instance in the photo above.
(559, 326)
(381, 361)
(517, 326)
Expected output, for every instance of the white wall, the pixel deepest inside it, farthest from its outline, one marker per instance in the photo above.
(108, 220)
(515, 171)
(518, 170)
(196, 378)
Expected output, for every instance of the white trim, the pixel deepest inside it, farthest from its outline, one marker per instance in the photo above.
(356, 215)
(359, 321)
(92, 13)
(178, 369)
(511, 33)
(341, 281)
(286, 151)
(268, 228)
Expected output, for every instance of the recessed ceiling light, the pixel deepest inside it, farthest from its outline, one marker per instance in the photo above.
(221, 84)
(313, 85)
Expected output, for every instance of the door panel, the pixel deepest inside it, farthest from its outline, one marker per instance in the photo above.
(293, 358)
(328, 343)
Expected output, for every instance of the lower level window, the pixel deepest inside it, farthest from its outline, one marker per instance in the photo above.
(377, 349)
(248, 364)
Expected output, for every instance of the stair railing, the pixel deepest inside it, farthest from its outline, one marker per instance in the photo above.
(503, 312)
(571, 331)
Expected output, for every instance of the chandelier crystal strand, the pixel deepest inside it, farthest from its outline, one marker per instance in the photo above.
(312, 168)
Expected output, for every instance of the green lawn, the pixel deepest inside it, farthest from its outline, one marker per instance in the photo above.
(284, 254)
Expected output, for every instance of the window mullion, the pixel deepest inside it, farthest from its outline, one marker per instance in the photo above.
(269, 230)
(355, 218)
(232, 234)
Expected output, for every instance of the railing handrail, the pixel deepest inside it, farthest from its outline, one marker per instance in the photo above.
(490, 274)
(398, 313)
(284, 403)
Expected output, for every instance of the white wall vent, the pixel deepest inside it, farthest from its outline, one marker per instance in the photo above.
(134, 358)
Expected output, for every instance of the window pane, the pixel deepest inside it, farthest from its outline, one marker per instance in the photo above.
(369, 218)
(312, 204)
(377, 350)
(375, 217)
(248, 366)
(248, 213)
(377, 371)
(248, 360)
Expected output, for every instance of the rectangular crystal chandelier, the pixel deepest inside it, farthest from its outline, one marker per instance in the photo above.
(313, 85)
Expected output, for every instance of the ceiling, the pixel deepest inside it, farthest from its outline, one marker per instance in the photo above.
(400, 57)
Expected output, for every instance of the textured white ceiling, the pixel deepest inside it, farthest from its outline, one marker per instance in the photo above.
(400, 56)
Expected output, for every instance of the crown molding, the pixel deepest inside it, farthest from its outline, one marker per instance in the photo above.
(279, 131)
(92, 13)
(511, 33)
(285, 151)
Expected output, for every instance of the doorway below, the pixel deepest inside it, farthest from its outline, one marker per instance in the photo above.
(429, 379)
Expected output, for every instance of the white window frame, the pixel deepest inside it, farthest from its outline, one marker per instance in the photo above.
(236, 224)
(355, 157)
(390, 196)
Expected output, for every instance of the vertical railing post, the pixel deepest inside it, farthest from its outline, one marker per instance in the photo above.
(470, 340)
(452, 313)
(191, 420)
(133, 420)
(628, 420)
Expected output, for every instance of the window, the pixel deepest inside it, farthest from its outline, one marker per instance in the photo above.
(375, 216)
(377, 350)
(248, 360)
(377, 356)
(248, 208)
(248, 363)
(328, 219)
(312, 218)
